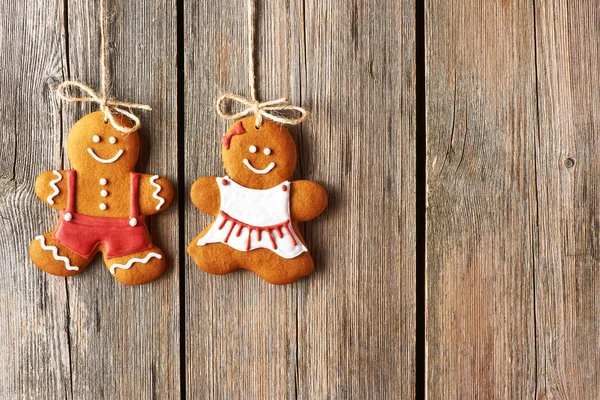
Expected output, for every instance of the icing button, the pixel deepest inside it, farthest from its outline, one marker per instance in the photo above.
(68, 217)
(104, 193)
(133, 222)
(224, 182)
(103, 181)
(284, 188)
(102, 206)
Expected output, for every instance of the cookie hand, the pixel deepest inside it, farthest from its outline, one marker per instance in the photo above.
(307, 200)
(206, 196)
(156, 194)
(52, 187)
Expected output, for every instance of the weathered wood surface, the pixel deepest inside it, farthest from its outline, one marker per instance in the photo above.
(348, 330)
(512, 310)
(87, 336)
(512, 262)
(481, 215)
(34, 308)
(567, 273)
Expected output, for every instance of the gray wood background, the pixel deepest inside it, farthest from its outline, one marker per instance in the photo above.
(512, 254)
(512, 223)
(346, 331)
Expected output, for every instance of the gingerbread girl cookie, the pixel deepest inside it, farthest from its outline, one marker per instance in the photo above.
(103, 204)
(257, 208)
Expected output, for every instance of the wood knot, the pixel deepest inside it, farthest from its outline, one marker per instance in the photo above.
(569, 162)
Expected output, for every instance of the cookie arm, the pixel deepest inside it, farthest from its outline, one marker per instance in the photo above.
(156, 193)
(307, 200)
(205, 195)
(52, 188)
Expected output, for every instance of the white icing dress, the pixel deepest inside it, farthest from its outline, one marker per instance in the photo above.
(253, 219)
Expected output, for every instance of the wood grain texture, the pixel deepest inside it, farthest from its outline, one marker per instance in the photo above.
(567, 280)
(34, 340)
(481, 215)
(356, 314)
(240, 331)
(88, 336)
(347, 330)
(125, 340)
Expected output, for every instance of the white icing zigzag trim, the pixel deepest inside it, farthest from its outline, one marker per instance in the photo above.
(50, 199)
(54, 251)
(144, 260)
(259, 171)
(104, 160)
(161, 201)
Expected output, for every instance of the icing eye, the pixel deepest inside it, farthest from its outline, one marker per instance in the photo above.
(112, 140)
(252, 149)
(267, 151)
(96, 138)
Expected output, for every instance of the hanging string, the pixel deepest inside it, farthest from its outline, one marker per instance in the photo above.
(107, 105)
(261, 110)
(251, 28)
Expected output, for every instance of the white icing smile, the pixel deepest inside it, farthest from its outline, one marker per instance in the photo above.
(259, 171)
(105, 160)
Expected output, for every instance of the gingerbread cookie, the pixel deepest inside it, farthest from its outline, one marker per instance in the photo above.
(103, 204)
(257, 208)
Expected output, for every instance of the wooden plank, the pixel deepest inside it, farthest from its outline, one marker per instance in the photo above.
(125, 340)
(348, 329)
(34, 349)
(567, 266)
(356, 314)
(240, 331)
(481, 216)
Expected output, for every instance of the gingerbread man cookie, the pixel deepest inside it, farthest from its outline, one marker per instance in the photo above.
(103, 204)
(257, 208)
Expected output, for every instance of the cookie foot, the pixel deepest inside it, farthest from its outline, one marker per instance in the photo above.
(220, 259)
(214, 258)
(52, 257)
(277, 270)
(137, 268)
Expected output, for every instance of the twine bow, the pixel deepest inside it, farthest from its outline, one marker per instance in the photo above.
(108, 106)
(261, 110)
(266, 109)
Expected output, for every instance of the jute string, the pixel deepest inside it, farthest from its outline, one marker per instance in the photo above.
(109, 106)
(261, 110)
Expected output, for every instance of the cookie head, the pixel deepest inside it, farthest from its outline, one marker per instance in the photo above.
(258, 158)
(94, 143)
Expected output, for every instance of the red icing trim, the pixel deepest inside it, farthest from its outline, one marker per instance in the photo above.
(134, 189)
(259, 230)
(291, 236)
(229, 233)
(71, 182)
(238, 129)
(272, 241)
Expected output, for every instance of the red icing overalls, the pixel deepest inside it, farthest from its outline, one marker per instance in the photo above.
(84, 233)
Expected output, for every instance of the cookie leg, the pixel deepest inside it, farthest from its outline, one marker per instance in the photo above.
(137, 268)
(214, 258)
(275, 269)
(51, 256)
